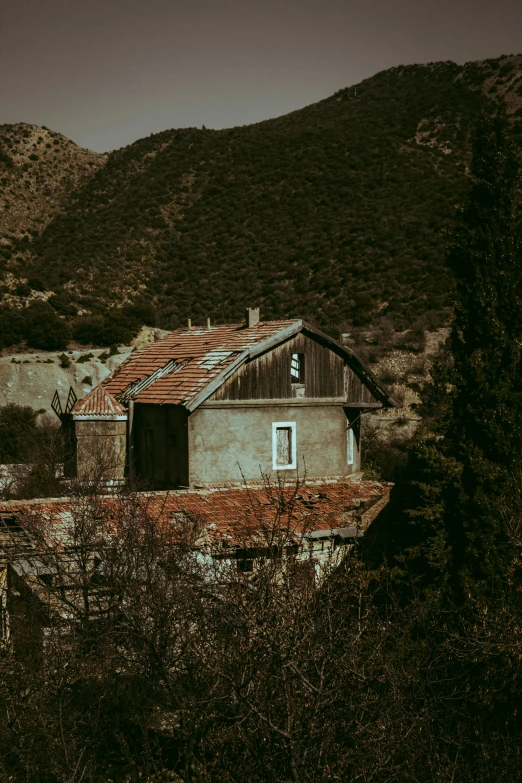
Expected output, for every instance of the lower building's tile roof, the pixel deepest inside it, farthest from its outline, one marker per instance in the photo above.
(225, 516)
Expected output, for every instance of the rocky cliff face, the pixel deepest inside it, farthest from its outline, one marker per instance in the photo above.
(32, 378)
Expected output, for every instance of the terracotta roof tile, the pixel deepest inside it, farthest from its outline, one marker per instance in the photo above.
(229, 515)
(99, 402)
(197, 356)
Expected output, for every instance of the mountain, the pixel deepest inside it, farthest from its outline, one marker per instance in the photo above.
(39, 172)
(336, 212)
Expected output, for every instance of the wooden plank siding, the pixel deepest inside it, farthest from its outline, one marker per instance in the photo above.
(267, 377)
(356, 391)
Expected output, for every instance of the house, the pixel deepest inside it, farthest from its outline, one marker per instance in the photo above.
(226, 403)
(52, 551)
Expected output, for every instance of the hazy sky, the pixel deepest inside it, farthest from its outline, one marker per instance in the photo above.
(107, 72)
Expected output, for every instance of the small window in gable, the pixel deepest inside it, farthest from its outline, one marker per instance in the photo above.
(297, 368)
(284, 452)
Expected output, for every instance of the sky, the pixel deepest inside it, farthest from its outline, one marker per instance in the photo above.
(108, 72)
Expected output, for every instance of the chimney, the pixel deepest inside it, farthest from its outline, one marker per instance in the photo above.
(208, 324)
(189, 324)
(252, 316)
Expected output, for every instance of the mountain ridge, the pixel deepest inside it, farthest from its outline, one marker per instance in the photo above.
(337, 211)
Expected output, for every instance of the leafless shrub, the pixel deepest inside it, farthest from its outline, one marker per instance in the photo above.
(162, 660)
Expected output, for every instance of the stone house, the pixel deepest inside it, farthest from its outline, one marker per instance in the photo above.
(52, 550)
(226, 403)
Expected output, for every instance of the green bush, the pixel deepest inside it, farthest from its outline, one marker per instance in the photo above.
(23, 289)
(103, 331)
(12, 326)
(44, 329)
(389, 376)
(18, 431)
(63, 304)
(413, 341)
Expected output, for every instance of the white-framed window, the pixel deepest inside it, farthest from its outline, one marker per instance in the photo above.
(350, 446)
(284, 447)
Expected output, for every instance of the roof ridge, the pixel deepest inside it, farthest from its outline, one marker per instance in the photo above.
(210, 355)
(206, 353)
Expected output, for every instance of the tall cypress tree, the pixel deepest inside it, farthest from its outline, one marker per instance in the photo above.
(465, 465)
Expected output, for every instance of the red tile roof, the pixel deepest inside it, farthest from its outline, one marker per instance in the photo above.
(188, 365)
(191, 359)
(231, 515)
(98, 403)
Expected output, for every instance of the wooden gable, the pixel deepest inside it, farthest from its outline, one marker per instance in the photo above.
(327, 374)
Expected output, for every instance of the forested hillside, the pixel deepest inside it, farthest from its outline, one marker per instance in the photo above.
(336, 212)
(39, 172)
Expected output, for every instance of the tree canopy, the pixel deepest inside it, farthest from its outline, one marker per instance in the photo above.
(472, 436)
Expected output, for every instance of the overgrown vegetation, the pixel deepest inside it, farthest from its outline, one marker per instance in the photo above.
(401, 665)
(31, 451)
(180, 667)
(18, 430)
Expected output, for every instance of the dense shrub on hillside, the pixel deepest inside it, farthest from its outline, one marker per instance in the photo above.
(62, 303)
(18, 431)
(335, 212)
(12, 326)
(115, 328)
(38, 325)
(44, 329)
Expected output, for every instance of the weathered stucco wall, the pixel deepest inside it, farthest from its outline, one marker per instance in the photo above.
(101, 449)
(228, 440)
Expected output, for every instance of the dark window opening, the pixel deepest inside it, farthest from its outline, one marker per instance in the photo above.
(4, 620)
(245, 566)
(11, 523)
